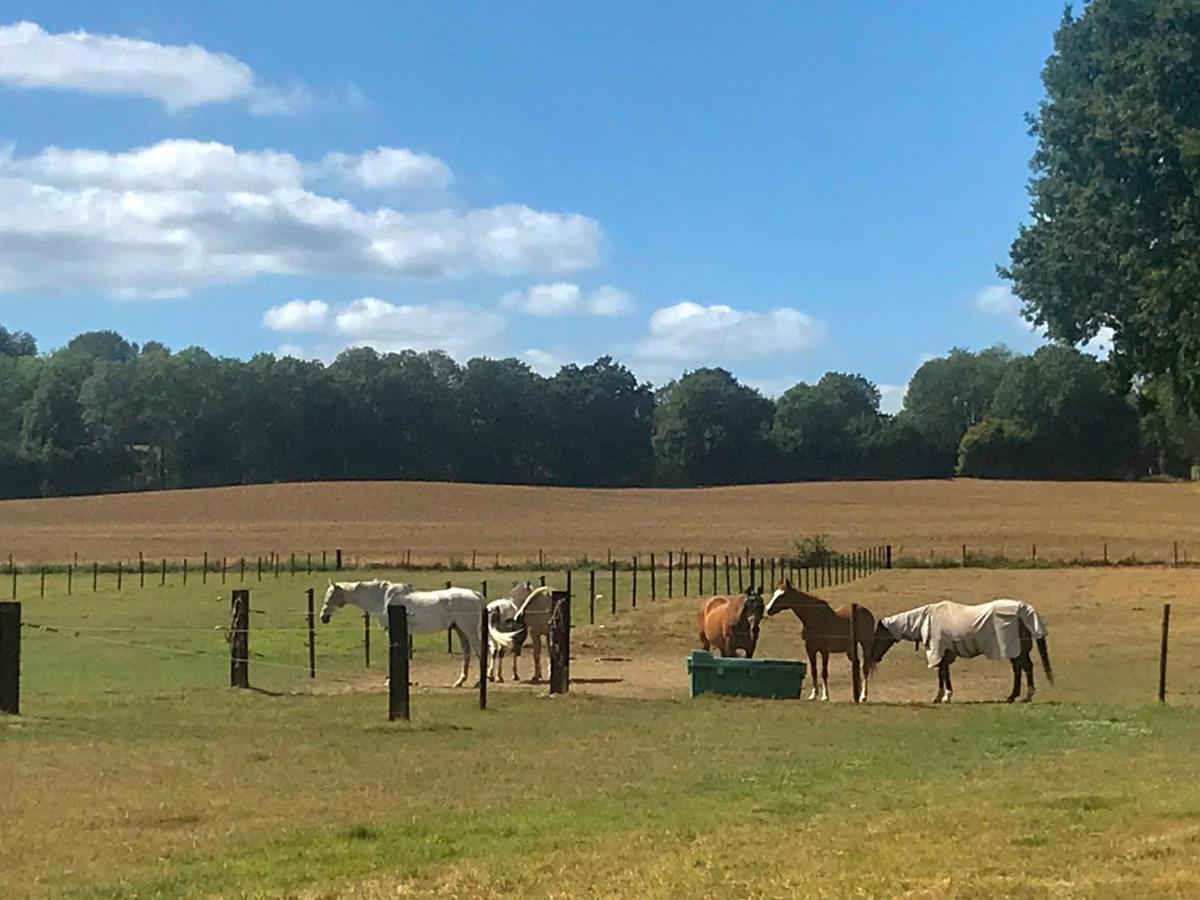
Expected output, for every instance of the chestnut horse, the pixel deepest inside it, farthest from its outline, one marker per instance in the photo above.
(827, 630)
(731, 623)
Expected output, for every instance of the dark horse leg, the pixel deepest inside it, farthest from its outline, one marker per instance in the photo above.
(812, 671)
(1016, 690)
(1027, 662)
(824, 674)
(945, 688)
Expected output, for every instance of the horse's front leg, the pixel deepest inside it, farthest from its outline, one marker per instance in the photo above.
(824, 674)
(812, 671)
(943, 676)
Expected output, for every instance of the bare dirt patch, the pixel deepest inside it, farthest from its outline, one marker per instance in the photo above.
(383, 521)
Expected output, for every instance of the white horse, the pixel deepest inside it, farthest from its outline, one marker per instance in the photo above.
(428, 611)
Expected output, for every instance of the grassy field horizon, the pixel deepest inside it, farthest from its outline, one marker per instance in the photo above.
(436, 522)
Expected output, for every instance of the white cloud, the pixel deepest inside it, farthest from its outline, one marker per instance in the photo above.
(997, 300)
(564, 299)
(390, 168)
(178, 215)
(690, 333)
(297, 315)
(180, 77)
(545, 362)
(892, 397)
(459, 329)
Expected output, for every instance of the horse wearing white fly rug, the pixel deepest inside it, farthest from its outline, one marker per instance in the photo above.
(1001, 629)
(428, 611)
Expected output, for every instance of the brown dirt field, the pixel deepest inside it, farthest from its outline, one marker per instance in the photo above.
(382, 520)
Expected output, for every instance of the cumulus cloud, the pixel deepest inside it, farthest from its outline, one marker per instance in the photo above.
(545, 362)
(891, 398)
(297, 315)
(178, 215)
(690, 333)
(998, 300)
(459, 329)
(178, 76)
(565, 299)
(390, 168)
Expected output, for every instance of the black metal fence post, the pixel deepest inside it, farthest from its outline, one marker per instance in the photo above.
(10, 658)
(397, 662)
(560, 643)
(312, 636)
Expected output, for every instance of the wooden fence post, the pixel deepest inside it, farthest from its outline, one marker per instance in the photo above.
(592, 596)
(560, 643)
(855, 667)
(185, 571)
(95, 578)
(141, 570)
(239, 640)
(120, 573)
(367, 640)
(397, 662)
(728, 579)
(613, 591)
(70, 577)
(10, 658)
(42, 584)
(700, 577)
(312, 636)
(714, 562)
(1162, 654)
(684, 555)
(653, 581)
(888, 557)
(670, 574)
(741, 586)
(204, 571)
(633, 595)
(1177, 554)
(337, 556)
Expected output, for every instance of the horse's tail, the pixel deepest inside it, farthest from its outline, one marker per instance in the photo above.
(1044, 653)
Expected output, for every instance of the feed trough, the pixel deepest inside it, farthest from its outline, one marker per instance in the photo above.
(776, 679)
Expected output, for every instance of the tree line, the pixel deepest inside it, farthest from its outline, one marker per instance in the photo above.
(102, 414)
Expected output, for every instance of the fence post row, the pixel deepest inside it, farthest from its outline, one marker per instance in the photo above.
(10, 658)
(560, 643)
(397, 661)
(239, 640)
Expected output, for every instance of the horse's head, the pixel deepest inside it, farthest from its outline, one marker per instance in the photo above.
(781, 599)
(753, 611)
(335, 598)
(882, 644)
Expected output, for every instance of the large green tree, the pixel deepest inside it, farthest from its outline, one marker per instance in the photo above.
(1113, 239)
(710, 429)
(823, 430)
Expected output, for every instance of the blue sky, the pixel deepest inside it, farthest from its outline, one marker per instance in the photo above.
(779, 189)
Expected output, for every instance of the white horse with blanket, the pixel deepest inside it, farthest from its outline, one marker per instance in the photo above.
(459, 609)
(1001, 629)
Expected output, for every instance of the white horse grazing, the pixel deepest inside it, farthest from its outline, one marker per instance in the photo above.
(428, 611)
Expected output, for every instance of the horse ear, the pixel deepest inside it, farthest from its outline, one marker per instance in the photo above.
(787, 583)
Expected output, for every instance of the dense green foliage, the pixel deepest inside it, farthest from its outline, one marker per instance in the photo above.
(102, 414)
(1114, 236)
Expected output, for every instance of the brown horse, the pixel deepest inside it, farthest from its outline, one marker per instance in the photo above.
(827, 630)
(731, 623)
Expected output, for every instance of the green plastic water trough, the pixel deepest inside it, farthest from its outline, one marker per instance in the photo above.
(776, 679)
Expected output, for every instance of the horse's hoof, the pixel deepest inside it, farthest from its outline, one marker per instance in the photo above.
(1026, 699)
(1010, 700)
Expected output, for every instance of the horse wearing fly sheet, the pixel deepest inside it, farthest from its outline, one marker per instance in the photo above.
(1001, 629)
(428, 611)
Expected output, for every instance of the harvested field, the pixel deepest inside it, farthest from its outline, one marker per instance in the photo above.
(381, 521)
